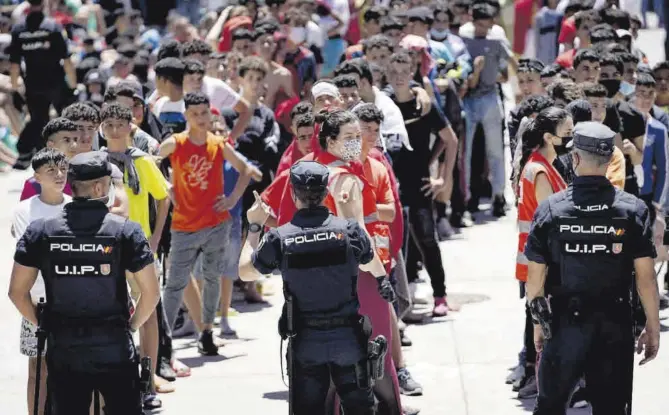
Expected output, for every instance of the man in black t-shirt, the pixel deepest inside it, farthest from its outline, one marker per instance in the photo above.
(418, 187)
(40, 43)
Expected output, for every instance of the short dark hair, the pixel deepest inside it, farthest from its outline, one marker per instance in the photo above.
(369, 113)
(374, 13)
(80, 111)
(616, 17)
(377, 41)
(252, 63)
(169, 49)
(530, 65)
(534, 104)
(171, 69)
(628, 57)
(195, 47)
(603, 33)
(302, 107)
(390, 23)
(357, 66)
(645, 79)
(195, 98)
(609, 59)
(585, 55)
(593, 90)
(241, 34)
(267, 27)
(194, 66)
(304, 120)
(583, 15)
(331, 123)
(660, 66)
(48, 156)
(552, 70)
(483, 11)
(57, 125)
(400, 57)
(345, 81)
(116, 111)
(565, 90)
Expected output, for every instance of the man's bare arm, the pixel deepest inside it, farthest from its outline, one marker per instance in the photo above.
(243, 108)
(121, 203)
(149, 295)
(648, 291)
(22, 280)
(536, 280)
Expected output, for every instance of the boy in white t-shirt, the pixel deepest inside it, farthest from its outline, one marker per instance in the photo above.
(170, 107)
(50, 166)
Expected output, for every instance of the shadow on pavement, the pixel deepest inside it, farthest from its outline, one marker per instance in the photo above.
(199, 361)
(276, 396)
(244, 307)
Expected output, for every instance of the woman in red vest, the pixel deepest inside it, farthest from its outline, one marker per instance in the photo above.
(351, 196)
(544, 139)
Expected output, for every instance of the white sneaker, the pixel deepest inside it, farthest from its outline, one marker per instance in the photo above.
(184, 326)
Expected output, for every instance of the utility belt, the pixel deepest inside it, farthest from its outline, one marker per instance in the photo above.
(582, 306)
(329, 323)
(54, 323)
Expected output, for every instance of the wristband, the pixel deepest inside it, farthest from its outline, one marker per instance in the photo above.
(254, 227)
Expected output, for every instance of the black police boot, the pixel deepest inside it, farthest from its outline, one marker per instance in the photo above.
(206, 345)
(499, 206)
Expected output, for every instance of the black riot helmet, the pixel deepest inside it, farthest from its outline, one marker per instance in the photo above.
(310, 182)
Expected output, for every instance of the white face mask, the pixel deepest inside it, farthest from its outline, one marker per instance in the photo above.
(297, 35)
(351, 149)
(439, 35)
(111, 196)
(626, 88)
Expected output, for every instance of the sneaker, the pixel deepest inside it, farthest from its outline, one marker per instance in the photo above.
(529, 388)
(407, 410)
(440, 307)
(206, 345)
(408, 386)
(183, 326)
(461, 220)
(413, 289)
(406, 342)
(165, 370)
(520, 382)
(444, 229)
(499, 207)
(23, 161)
(579, 399)
(664, 301)
(473, 205)
(413, 318)
(517, 373)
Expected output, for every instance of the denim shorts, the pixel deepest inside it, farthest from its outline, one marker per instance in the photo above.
(229, 265)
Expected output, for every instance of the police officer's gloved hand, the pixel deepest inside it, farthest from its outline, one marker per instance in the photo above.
(18, 100)
(386, 289)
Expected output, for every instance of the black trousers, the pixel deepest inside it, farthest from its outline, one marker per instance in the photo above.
(530, 350)
(70, 393)
(601, 347)
(311, 385)
(39, 100)
(422, 246)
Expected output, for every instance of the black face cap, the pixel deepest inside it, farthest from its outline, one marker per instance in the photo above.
(309, 175)
(593, 137)
(90, 166)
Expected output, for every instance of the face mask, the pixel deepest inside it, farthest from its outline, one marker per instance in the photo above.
(297, 35)
(626, 88)
(111, 196)
(439, 34)
(351, 150)
(561, 148)
(612, 86)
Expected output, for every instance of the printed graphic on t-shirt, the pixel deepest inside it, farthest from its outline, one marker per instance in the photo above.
(197, 171)
(174, 121)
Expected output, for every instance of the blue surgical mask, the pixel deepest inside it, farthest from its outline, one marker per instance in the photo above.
(439, 35)
(626, 88)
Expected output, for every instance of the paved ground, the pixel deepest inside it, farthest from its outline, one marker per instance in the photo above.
(461, 360)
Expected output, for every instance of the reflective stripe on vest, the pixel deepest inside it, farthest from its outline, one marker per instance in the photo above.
(524, 226)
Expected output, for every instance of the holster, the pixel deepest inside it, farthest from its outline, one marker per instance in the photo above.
(376, 355)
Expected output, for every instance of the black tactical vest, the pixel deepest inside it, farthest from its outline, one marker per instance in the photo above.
(592, 249)
(87, 299)
(319, 269)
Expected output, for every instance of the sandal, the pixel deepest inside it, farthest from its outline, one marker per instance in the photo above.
(163, 386)
(151, 402)
(180, 369)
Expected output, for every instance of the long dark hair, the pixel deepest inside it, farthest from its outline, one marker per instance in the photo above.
(331, 122)
(547, 121)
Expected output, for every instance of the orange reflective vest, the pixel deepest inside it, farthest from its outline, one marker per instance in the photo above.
(378, 231)
(527, 202)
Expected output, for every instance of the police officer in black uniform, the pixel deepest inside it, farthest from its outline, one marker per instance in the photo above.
(39, 42)
(83, 255)
(319, 255)
(583, 245)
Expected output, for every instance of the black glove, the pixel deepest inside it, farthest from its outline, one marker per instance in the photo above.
(386, 289)
(18, 100)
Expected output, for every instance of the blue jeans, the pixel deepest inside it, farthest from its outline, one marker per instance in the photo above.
(658, 7)
(190, 9)
(486, 110)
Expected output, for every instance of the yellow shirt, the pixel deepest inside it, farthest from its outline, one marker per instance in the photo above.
(151, 182)
(616, 170)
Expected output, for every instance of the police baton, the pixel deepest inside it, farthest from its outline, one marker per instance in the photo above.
(41, 341)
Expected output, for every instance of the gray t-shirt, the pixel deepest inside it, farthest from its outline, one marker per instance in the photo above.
(547, 26)
(496, 60)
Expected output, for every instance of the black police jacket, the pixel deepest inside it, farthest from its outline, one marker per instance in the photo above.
(318, 255)
(83, 254)
(589, 235)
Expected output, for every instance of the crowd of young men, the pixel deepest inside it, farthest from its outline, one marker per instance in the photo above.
(222, 106)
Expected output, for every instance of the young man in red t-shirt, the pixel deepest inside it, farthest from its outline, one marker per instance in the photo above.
(585, 21)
